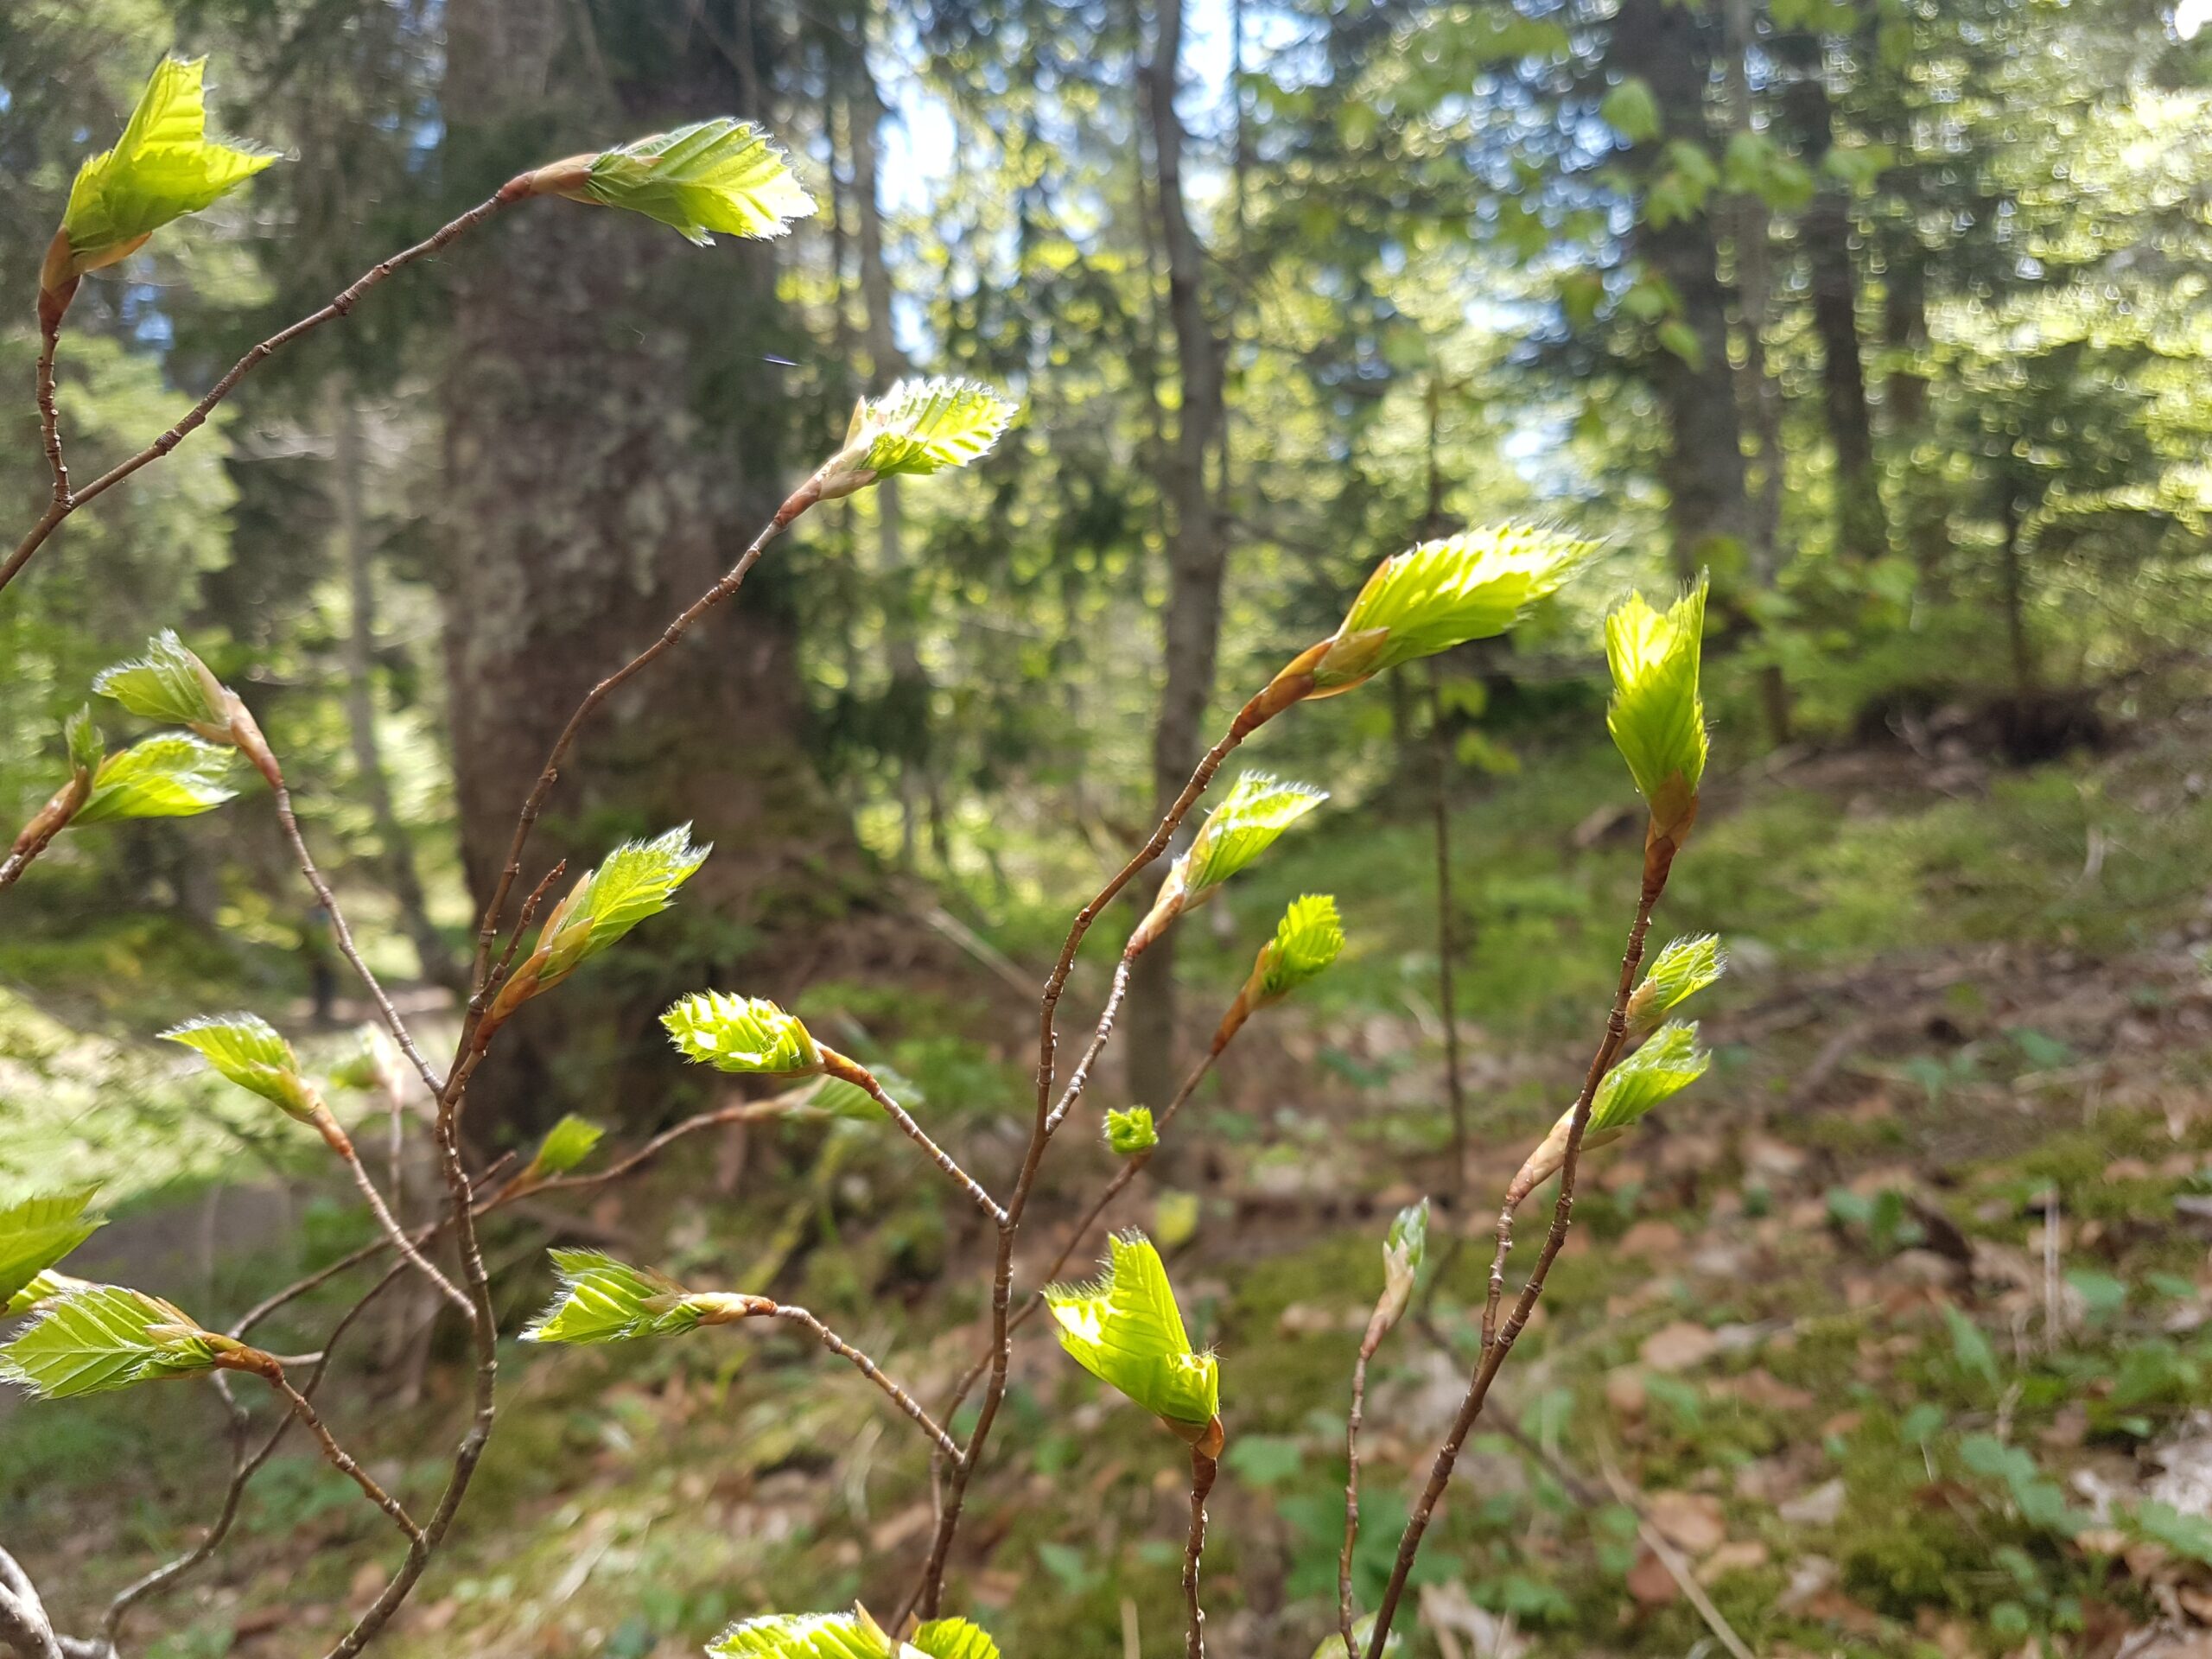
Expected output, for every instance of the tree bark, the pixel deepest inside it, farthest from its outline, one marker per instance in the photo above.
(1708, 513)
(613, 443)
(438, 962)
(1197, 554)
(1861, 528)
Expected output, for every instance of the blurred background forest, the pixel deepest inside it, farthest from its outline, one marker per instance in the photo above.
(1894, 314)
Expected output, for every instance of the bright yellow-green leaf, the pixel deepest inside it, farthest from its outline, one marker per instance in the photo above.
(164, 167)
(920, 426)
(601, 1300)
(168, 683)
(637, 879)
(102, 1338)
(1443, 594)
(251, 1052)
(1680, 972)
(37, 1233)
(1130, 1132)
(1256, 810)
(740, 1034)
(566, 1144)
(172, 776)
(1307, 939)
(1125, 1330)
(954, 1639)
(43, 1287)
(82, 739)
(723, 174)
(1668, 1063)
(1657, 717)
(806, 1635)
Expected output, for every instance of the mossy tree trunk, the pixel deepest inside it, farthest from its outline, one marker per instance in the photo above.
(615, 438)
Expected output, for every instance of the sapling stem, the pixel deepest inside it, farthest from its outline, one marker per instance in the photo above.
(1203, 1470)
(1378, 1325)
(1280, 695)
(849, 1071)
(66, 501)
(1495, 1351)
(398, 1234)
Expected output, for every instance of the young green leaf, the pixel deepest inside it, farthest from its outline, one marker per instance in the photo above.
(102, 1338)
(1657, 717)
(741, 1033)
(37, 1233)
(1257, 810)
(637, 879)
(724, 175)
(916, 428)
(601, 1300)
(1125, 1330)
(251, 1052)
(566, 1144)
(172, 776)
(1131, 1132)
(953, 1638)
(1668, 1063)
(1405, 1249)
(1680, 972)
(1307, 939)
(171, 684)
(1439, 594)
(162, 167)
(82, 739)
(43, 1287)
(809, 1636)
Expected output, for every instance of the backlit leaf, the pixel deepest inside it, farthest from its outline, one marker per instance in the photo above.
(251, 1052)
(102, 1338)
(1256, 810)
(1657, 715)
(601, 1300)
(1442, 593)
(805, 1636)
(38, 1232)
(172, 776)
(1668, 1063)
(1130, 1132)
(1680, 972)
(168, 683)
(164, 167)
(1125, 1329)
(920, 426)
(724, 174)
(740, 1034)
(1307, 939)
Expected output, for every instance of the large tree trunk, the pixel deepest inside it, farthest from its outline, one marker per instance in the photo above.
(1197, 554)
(614, 444)
(1860, 526)
(1703, 469)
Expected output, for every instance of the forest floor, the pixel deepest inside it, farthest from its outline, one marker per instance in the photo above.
(1894, 1336)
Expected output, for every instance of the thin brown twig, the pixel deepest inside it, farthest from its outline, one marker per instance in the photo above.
(1377, 1327)
(1249, 719)
(1203, 1470)
(344, 935)
(849, 1071)
(868, 1369)
(49, 418)
(397, 1235)
(342, 1460)
(65, 502)
(1495, 1351)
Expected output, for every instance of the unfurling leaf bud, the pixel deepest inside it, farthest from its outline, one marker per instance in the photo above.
(638, 880)
(251, 1053)
(601, 1300)
(1680, 972)
(1404, 1252)
(1431, 598)
(99, 1337)
(164, 167)
(1657, 717)
(1668, 1063)
(171, 683)
(918, 427)
(171, 776)
(1125, 1330)
(746, 1034)
(1308, 940)
(723, 174)
(848, 1636)
(1131, 1132)
(1256, 811)
(566, 1144)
